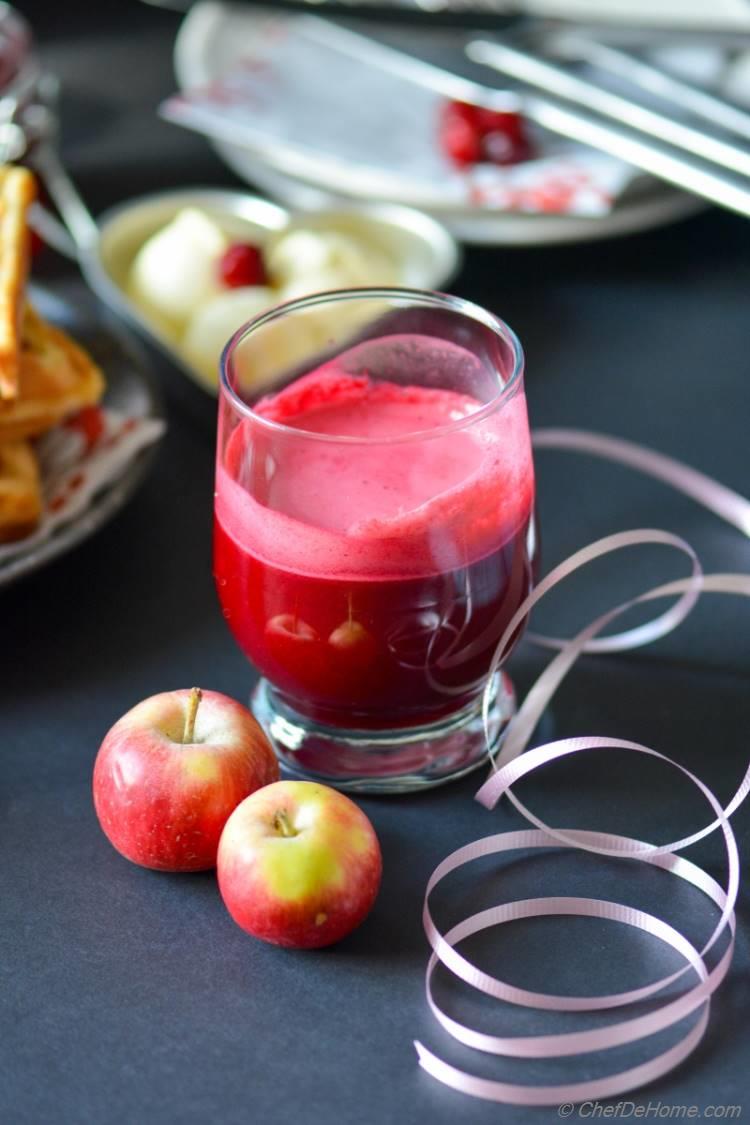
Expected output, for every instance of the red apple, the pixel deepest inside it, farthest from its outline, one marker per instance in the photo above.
(299, 865)
(169, 773)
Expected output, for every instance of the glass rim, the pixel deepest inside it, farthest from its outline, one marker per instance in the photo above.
(417, 296)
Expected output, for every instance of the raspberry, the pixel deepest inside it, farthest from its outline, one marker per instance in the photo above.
(469, 134)
(242, 264)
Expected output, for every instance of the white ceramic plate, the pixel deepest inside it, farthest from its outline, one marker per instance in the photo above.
(637, 213)
(214, 35)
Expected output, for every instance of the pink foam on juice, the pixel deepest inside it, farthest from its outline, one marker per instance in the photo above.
(383, 501)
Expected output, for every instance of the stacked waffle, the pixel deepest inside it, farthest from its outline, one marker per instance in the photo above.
(44, 375)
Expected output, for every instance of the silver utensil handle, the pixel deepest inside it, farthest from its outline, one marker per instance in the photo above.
(52, 231)
(630, 66)
(556, 80)
(673, 165)
(75, 214)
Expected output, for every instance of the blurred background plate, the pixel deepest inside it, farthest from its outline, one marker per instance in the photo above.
(213, 38)
(70, 306)
(645, 206)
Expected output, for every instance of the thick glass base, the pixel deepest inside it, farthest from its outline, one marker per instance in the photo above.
(384, 761)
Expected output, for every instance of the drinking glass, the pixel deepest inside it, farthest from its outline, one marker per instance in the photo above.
(374, 529)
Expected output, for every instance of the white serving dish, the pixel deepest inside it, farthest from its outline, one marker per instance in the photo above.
(425, 254)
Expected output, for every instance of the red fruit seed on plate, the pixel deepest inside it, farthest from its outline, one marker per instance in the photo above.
(242, 264)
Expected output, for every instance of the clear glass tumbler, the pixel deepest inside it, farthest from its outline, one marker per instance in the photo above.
(374, 529)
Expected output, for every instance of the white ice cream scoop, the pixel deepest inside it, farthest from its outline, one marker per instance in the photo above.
(176, 270)
(308, 261)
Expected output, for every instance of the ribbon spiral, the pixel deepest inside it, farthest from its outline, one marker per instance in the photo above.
(512, 764)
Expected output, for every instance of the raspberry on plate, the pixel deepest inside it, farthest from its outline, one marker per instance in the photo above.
(242, 264)
(470, 135)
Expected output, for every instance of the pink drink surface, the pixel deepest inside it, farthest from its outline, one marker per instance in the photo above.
(370, 579)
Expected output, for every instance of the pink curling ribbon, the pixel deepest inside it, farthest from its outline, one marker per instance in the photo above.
(510, 766)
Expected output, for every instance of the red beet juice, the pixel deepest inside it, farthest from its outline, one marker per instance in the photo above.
(372, 541)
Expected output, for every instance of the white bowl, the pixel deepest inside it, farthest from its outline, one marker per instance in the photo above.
(424, 254)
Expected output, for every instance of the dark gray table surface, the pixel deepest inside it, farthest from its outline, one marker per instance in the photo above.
(130, 997)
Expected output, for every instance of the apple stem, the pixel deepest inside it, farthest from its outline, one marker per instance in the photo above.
(188, 733)
(282, 823)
